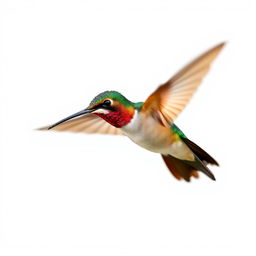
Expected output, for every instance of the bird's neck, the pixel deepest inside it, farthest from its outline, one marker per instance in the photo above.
(118, 118)
(134, 125)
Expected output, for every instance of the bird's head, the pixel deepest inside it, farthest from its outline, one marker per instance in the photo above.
(112, 106)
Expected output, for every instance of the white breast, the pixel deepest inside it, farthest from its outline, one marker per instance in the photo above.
(151, 135)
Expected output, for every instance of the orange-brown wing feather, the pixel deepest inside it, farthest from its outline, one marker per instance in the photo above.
(171, 98)
(86, 124)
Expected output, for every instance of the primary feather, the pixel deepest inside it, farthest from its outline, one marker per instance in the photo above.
(171, 98)
(87, 124)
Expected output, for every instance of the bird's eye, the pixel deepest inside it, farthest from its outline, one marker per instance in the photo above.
(107, 103)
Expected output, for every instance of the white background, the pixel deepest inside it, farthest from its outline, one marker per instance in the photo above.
(76, 194)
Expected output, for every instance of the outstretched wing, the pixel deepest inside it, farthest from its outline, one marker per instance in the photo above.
(86, 124)
(171, 98)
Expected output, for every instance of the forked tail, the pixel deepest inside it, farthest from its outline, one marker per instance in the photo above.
(183, 169)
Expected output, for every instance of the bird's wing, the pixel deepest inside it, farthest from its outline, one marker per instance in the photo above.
(86, 124)
(171, 98)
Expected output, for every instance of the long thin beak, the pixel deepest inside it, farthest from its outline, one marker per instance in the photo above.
(80, 113)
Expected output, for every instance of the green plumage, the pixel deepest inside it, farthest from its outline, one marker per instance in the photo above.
(114, 95)
(177, 130)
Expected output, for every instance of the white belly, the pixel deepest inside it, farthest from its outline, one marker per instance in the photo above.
(152, 136)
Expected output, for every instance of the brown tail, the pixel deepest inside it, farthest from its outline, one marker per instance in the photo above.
(186, 169)
(179, 169)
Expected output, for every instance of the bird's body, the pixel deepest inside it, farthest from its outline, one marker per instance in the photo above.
(150, 124)
(148, 133)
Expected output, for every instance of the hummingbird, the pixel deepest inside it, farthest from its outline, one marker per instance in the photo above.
(150, 124)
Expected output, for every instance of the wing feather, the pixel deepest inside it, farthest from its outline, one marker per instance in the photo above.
(86, 124)
(171, 98)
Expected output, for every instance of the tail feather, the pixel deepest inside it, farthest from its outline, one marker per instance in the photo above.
(182, 169)
(186, 169)
(200, 166)
(179, 168)
(199, 152)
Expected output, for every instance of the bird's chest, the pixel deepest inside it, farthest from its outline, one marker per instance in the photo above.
(149, 134)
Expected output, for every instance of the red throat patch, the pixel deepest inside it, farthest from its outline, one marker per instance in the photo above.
(117, 118)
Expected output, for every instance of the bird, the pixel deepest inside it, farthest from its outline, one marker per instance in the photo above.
(150, 124)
